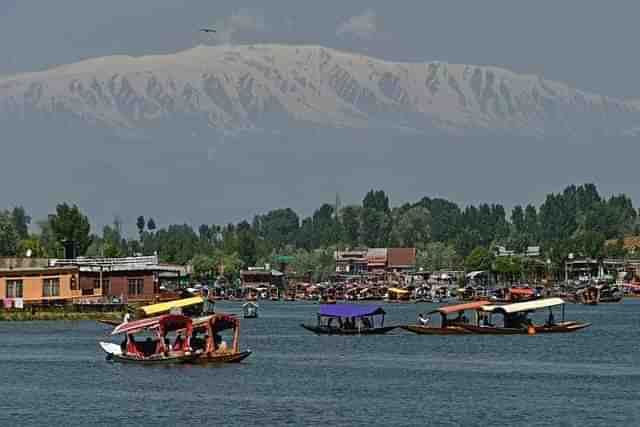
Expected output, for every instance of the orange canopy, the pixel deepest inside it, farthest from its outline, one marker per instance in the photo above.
(461, 307)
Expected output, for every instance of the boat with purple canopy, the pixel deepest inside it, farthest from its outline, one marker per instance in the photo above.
(350, 319)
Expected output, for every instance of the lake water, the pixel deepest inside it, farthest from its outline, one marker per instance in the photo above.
(53, 373)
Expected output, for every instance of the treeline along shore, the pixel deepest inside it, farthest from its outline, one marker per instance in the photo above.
(577, 220)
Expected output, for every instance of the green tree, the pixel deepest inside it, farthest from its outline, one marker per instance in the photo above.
(9, 237)
(51, 246)
(446, 219)
(436, 256)
(31, 245)
(279, 227)
(21, 221)
(69, 224)
(376, 221)
(318, 263)
(508, 268)
(246, 244)
(517, 219)
(140, 223)
(151, 225)
(411, 227)
(204, 266)
(479, 259)
(351, 225)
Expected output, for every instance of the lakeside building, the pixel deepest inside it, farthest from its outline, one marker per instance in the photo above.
(39, 285)
(261, 277)
(85, 280)
(586, 269)
(375, 261)
(351, 262)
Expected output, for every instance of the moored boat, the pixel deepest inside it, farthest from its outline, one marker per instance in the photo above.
(350, 319)
(448, 326)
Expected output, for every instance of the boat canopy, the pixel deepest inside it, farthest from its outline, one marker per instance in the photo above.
(249, 304)
(349, 310)
(220, 322)
(165, 307)
(523, 306)
(166, 323)
(522, 291)
(474, 274)
(398, 291)
(460, 307)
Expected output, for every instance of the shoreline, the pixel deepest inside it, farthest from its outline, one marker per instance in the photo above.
(27, 316)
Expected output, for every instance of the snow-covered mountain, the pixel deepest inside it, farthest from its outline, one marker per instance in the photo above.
(231, 87)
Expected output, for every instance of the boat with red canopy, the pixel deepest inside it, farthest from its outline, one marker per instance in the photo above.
(207, 341)
(350, 319)
(157, 347)
(448, 326)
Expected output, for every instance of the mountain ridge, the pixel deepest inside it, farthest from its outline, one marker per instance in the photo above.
(246, 86)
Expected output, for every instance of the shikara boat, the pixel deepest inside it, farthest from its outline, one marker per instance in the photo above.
(609, 294)
(349, 319)
(156, 349)
(516, 321)
(211, 347)
(588, 296)
(250, 310)
(448, 326)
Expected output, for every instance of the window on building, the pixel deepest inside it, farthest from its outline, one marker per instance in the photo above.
(14, 288)
(51, 287)
(74, 283)
(136, 286)
(106, 285)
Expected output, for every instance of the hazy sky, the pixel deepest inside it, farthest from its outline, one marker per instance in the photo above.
(590, 44)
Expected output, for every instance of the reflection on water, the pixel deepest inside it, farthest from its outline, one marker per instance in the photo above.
(54, 373)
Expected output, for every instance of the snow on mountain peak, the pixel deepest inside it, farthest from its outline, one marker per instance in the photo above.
(240, 86)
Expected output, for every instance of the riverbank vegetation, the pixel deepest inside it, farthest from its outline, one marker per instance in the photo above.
(577, 220)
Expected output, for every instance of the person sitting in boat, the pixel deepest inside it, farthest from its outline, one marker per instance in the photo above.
(484, 320)
(347, 323)
(551, 320)
(366, 323)
(461, 318)
(126, 318)
(423, 321)
(178, 343)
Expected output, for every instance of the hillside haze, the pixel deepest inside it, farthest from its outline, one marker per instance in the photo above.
(218, 133)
